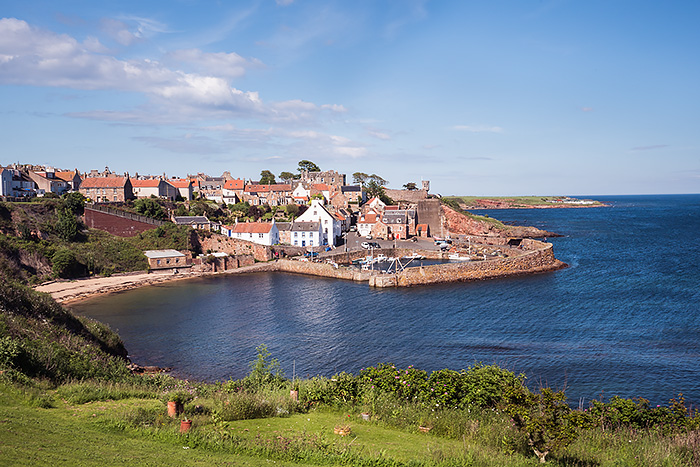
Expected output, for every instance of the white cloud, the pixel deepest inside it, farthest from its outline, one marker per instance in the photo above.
(478, 128)
(36, 57)
(230, 65)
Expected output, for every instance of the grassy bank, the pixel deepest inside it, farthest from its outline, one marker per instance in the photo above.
(67, 398)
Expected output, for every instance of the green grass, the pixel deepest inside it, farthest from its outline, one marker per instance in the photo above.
(136, 431)
(516, 201)
(76, 436)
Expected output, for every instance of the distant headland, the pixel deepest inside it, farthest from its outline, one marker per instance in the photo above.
(523, 202)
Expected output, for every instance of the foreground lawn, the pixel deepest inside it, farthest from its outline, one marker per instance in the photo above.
(76, 435)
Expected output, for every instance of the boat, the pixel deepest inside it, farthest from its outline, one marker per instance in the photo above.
(414, 256)
(381, 257)
(457, 257)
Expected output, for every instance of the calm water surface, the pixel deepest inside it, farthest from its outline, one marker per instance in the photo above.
(623, 319)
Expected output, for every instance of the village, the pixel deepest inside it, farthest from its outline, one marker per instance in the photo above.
(354, 231)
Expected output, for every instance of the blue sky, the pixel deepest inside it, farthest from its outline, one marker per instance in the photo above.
(479, 97)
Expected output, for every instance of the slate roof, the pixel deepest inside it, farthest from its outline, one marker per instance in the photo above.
(305, 226)
(154, 254)
(189, 220)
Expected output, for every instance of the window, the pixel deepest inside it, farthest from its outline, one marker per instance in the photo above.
(303, 234)
(296, 242)
(296, 234)
(326, 221)
(260, 235)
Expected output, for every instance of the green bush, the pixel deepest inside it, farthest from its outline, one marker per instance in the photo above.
(66, 265)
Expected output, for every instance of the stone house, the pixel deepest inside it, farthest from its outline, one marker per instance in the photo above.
(167, 259)
(329, 177)
(196, 222)
(107, 189)
(278, 194)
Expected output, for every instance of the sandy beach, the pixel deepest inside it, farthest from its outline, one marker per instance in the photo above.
(80, 289)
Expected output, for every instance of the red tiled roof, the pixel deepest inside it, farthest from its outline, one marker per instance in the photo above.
(180, 183)
(252, 227)
(104, 182)
(151, 183)
(264, 188)
(66, 176)
(369, 218)
(234, 184)
(321, 186)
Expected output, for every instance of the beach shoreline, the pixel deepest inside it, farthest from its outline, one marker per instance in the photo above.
(72, 291)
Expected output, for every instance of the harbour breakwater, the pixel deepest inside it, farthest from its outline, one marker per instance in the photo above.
(533, 257)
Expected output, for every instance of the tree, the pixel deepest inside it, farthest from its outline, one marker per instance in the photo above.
(292, 210)
(360, 178)
(67, 225)
(287, 177)
(373, 188)
(75, 202)
(267, 178)
(410, 186)
(309, 166)
(378, 179)
(149, 207)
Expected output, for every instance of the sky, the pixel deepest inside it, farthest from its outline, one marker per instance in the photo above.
(502, 97)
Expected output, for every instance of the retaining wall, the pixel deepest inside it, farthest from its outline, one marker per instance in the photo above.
(119, 224)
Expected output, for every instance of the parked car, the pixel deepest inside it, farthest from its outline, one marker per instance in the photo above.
(374, 245)
(365, 245)
(311, 254)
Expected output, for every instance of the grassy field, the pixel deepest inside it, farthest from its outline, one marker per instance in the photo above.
(518, 201)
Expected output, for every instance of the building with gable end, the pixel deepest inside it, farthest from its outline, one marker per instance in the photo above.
(329, 223)
(107, 189)
(263, 233)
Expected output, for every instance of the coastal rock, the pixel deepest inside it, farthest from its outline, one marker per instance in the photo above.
(457, 223)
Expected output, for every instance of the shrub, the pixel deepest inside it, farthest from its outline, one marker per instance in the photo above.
(66, 265)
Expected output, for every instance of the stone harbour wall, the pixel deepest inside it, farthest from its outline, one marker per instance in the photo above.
(540, 260)
(321, 269)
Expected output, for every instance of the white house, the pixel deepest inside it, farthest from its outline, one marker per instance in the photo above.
(5, 182)
(264, 233)
(366, 222)
(330, 225)
(306, 234)
(154, 187)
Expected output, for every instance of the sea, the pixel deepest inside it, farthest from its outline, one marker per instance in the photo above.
(623, 319)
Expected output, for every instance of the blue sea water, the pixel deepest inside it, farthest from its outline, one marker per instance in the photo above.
(623, 319)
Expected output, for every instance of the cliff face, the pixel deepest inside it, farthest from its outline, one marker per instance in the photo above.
(458, 224)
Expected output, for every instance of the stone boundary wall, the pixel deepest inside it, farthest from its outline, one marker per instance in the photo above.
(406, 195)
(539, 260)
(116, 224)
(234, 247)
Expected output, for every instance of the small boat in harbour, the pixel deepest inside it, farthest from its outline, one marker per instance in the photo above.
(457, 257)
